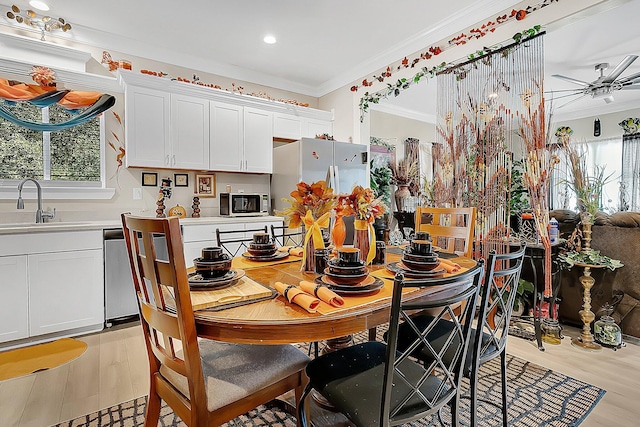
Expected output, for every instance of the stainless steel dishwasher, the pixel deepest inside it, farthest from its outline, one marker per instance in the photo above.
(120, 304)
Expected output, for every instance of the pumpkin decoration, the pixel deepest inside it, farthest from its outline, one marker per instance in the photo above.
(178, 211)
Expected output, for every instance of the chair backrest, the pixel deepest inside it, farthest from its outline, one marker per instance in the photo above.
(499, 290)
(420, 390)
(166, 330)
(236, 242)
(285, 236)
(449, 225)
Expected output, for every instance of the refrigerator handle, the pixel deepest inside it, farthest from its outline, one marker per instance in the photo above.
(330, 179)
(336, 178)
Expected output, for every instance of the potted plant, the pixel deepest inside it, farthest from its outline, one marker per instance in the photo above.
(381, 185)
(403, 174)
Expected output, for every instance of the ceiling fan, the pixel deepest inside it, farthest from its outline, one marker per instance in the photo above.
(604, 86)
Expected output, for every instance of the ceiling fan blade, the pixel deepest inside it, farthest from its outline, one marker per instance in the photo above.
(631, 87)
(572, 101)
(629, 78)
(615, 73)
(564, 96)
(564, 90)
(569, 79)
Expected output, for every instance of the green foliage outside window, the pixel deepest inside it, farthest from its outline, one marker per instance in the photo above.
(74, 153)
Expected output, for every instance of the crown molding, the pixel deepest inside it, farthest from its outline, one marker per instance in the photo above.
(44, 53)
(404, 112)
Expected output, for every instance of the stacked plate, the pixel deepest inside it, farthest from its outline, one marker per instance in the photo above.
(262, 248)
(213, 263)
(418, 259)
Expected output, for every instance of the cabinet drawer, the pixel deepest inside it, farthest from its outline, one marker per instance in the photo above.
(207, 232)
(35, 243)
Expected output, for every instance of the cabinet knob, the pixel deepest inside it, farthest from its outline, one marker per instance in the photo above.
(173, 160)
(166, 160)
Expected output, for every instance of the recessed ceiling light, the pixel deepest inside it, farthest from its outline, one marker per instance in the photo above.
(40, 5)
(269, 39)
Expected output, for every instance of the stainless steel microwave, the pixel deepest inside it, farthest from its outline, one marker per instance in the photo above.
(244, 204)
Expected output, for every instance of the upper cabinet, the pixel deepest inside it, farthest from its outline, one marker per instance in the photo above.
(177, 125)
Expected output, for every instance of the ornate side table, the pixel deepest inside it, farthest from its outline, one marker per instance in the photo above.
(586, 341)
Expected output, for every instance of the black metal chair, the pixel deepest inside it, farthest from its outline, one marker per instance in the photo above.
(373, 384)
(285, 236)
(498, 292)
(236, 241)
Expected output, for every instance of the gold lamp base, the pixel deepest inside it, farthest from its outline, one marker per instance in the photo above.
(585, 345)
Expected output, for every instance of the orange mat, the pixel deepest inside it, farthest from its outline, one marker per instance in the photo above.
(27, 360)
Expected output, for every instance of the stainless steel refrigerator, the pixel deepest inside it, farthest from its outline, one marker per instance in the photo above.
(343, 165)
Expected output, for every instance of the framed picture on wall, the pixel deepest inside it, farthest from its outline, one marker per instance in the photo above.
(205, 185)
(383, 151)
(149, 179)
(181, 179)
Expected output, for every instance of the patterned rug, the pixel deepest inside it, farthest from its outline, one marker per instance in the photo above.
(537, 396)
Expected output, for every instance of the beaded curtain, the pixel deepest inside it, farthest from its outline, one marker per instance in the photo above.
(484, 110)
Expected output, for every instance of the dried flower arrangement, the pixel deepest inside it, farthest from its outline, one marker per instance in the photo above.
(315, 198)
(404, 172)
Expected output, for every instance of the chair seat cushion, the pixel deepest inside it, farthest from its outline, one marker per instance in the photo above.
(437, 338)
(233, 371)
(352, 379)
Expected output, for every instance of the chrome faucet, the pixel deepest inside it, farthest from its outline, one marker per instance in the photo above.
(40, 214)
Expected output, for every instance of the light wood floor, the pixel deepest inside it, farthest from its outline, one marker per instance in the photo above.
(114, 370)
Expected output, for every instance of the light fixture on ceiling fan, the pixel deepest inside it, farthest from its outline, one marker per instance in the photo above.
(604, 86)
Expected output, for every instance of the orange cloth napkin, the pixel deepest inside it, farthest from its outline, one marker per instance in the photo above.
(450, 266)
(293, 250)
(298, 296)
(322, 292)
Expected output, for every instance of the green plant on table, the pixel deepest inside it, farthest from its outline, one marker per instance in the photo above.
(589, 257)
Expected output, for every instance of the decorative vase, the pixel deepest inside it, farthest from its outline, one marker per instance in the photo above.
(309, 264)
(361, 238)
(339, 232)
(607, 332)
(401, 195)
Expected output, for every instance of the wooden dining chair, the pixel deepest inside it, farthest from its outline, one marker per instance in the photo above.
(235, 242)
(374, 384)
(204, 382)
(453, 226)
(499, 285)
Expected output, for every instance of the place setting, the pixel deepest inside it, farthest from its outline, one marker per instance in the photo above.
(419, 259)
(263, 248)
(213, 270)
(348, 275)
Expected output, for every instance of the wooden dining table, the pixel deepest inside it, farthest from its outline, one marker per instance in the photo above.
(277, 321)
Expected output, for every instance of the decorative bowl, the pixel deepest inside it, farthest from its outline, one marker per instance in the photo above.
(347, 270)
(420, 266)
(348, 279)
(266, 251)
(430, 257)
(210, 269)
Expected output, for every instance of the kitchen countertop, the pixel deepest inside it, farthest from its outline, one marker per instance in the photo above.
(55, 226)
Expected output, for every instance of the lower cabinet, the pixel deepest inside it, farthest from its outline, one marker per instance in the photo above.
(65, 291)
(14, 304)
(51, 283)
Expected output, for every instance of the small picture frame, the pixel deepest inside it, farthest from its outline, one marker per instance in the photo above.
(181, 179)
(205, 185)
(149, 179)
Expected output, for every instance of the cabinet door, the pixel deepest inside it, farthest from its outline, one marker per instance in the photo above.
(66, 291)
(258, 140)
(189, 132)
(226, 134)
(286, 126)
(14, 298)
(312, 128)
(147, 116)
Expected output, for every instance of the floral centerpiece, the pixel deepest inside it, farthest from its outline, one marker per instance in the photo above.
(311, 206)
(362, 204)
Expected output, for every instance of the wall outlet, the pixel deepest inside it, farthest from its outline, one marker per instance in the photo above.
(137, 193)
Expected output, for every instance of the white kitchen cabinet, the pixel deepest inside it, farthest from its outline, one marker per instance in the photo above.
(166, 130)
(226, 136)
(14, 300)
(147, 117)
(313, 127)
(241, 138)
(52, 283)
(66, 291)
(189, 132)
(258, 140)
(287, 126)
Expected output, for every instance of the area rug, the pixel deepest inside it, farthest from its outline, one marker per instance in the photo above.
(537, 397)
(27, 360)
